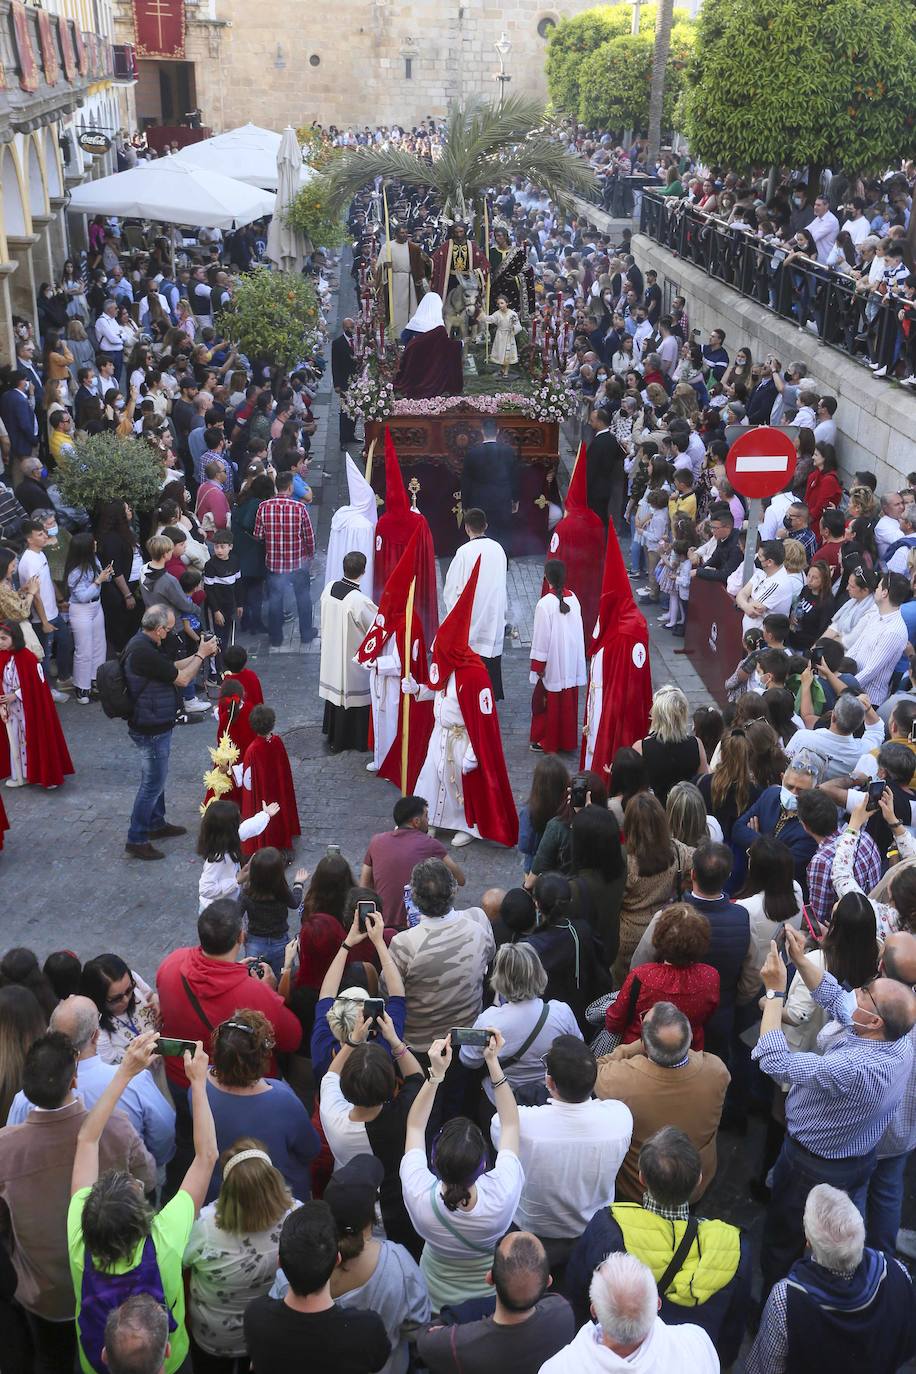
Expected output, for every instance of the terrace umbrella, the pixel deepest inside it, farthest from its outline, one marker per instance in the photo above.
(285, 246)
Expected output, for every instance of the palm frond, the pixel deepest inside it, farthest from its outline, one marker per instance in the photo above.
(485, 145)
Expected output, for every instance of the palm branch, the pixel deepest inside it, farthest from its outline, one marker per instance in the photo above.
(485, 145)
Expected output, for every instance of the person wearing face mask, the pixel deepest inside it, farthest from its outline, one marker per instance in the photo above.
(774, 813)
(801, 213)
(839, 1104)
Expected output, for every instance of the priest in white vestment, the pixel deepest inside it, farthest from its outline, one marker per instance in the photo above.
(488, 618)
(343, 685)
(353, 529)
(404, 262)
(557, 666)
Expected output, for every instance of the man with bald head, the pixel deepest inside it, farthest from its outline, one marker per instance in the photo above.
(840, 1103)
(343, 368)
(885, 1189)
(525, 1325)
(141, 1102)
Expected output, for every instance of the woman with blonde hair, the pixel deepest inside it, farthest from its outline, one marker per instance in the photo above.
(671, 750)
(658, 869)
(232, 1254)
(687, 816)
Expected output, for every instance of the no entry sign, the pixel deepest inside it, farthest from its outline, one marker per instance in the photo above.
(762, 462)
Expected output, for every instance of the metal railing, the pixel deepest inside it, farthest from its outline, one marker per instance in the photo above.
(825, 302)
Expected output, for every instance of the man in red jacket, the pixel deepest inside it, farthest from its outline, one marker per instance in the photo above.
(200, 987)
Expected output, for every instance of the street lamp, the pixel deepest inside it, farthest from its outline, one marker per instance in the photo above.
(503, 49)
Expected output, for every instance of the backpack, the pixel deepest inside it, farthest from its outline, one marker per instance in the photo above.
(114, 693)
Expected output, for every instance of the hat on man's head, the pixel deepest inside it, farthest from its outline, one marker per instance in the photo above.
(352, 1191)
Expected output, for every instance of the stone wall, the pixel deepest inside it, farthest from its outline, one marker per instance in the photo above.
(268, 72)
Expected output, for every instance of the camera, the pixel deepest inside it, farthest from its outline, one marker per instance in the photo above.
(257, 968)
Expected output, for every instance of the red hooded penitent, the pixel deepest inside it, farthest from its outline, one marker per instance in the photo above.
(47, 758)
(392, 535)
(620, 676)
(488, 800)
(579, 540)
(391, 619)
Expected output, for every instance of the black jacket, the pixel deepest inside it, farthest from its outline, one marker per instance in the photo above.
(489, 480)
(343, 363)
(604, 471)
(723, 560)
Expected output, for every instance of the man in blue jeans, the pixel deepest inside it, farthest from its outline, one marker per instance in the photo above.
(840, 1103)
(289, 546)
(153, 675)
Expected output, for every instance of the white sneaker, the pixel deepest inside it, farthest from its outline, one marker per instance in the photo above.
(195, 705)
(460, 839)
(59, 696)
(371, 766)
(881, 371)
(15, 782)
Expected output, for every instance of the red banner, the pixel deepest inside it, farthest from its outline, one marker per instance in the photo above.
(159, 26)
(28, 67)
(48, 48)
(66, 48)
(82, 57)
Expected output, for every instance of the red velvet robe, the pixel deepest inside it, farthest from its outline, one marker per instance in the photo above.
(47, 756)
(251, 685)
(4, 773)
(392, 535)
(579, 539)
(232, 719)
(271, 780)
(431, 365)
(488, 800)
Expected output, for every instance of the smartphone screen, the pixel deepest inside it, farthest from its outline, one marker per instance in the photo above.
(177, 1047)
(875, 793)
(373, 1008)
(364, 909)
(469, 1035)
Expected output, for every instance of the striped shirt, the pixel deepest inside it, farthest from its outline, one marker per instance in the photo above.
(845, 877)
(841, 1102)
(876, 652)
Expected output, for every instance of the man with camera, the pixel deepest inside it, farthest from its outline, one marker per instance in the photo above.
(152, 676)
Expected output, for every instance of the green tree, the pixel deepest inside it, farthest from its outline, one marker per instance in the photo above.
(615, 80)
(273, 315)
(572, 42)
(827, 83)
(104, 467)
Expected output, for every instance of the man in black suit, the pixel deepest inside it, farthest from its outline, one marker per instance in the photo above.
(343, 368)
(489, 482)
(84, 392)
(605, 477)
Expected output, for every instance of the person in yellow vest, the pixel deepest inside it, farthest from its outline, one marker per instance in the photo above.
(702, 1268)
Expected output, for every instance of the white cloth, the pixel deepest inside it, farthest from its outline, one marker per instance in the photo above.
(503, 349)
(558, 641)
(345, 623)
(346, 1139)
(394, 257)
(498, 1192)
(515, 1021)
(841, 751)
(385, 699)
(824, 229)
(857, 229)
(775, 593)
(684, 1348)
(353, 529)
(763, 930)
(849, 618)
(488, 618)
(33, 563)
(887, 532)
(877, 651)
(428, 314)
(592, 1139)
(88, 625)
(773, 515)
(899, 561)
(449, 756)
(219, 877)
(593, 705)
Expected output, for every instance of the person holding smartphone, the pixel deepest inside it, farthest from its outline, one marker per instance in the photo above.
(85, 578)
(461, 1208)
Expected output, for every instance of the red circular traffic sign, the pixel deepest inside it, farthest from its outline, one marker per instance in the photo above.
(761, 462)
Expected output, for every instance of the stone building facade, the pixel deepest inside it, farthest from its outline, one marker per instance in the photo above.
(354, 61)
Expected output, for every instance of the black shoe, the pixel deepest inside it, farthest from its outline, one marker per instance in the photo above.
(678, 630)
(167, 832)
(143, 851)
(184, 719)
(535, 748)
(312, 634)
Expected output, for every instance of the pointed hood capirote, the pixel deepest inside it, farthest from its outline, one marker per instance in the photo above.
(579, 540)
(396, 526)
(451, 649)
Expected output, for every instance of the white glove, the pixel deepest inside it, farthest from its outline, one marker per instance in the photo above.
(410, 686)
(469, 765)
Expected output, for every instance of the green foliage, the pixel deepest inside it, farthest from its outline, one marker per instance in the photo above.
(830, 82)
(485, 144)
(616, 78)
(106, 466)
(317, 149)
(575, 41)
(273, 315)
(311, 215)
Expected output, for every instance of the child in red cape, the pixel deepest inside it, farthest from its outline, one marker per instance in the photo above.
(34, 727)
(235, 659)
(267, 776)
(233, 714)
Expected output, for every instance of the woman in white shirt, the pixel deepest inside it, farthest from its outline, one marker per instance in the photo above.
(219, 844)
(233, 1251)
(361, 1085)
(527, 1023)
(770, 896)
(460, 1207)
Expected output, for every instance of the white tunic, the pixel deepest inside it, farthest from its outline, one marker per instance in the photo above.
(448, 757)
(344, 625)
(593, 705)
(488, 618)
(353, 529)
(558, 641)
(404, 292)
(385, 694)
